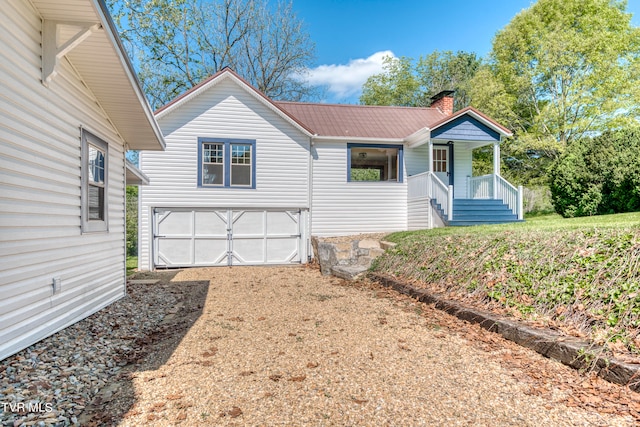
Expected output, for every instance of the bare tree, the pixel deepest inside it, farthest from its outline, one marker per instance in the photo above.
(178, 43)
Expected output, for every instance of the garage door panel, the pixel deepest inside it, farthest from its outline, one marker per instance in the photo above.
(211, 223)
(279, 223)
(174, 252)
(248, 251)
(283, 250)
(248, 223)
(210, 252)
(175, 223)
(206, 237)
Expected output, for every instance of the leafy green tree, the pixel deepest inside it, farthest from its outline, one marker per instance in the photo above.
(396, 85)
(598, 175)
(132, 220)
(178, 43)
(562, 70)
(407, 83)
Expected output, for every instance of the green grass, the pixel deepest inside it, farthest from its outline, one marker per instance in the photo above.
(580, 274)
(132, 264)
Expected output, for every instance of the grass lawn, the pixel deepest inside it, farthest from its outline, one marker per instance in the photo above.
(581, 275)
(132, 264)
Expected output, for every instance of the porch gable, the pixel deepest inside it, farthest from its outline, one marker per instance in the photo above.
(465, 128)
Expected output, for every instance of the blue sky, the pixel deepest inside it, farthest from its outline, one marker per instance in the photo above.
(352, 36)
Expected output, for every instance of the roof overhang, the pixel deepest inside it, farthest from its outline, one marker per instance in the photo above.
(317, 138)
(419, 137)
(134, 175)
(82, 32)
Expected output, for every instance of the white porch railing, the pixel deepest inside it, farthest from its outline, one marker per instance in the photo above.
(428, 185)
(480, 187)
(496, 187)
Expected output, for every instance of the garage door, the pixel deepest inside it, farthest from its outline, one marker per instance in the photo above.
(185, 238)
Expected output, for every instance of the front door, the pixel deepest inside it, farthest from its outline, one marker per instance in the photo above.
(442, 164)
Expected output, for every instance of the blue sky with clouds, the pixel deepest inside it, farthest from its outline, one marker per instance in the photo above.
(352, 36)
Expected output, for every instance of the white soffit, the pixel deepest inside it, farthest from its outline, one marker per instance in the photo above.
(104, 67)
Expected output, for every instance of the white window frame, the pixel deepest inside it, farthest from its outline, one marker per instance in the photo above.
(93, 225)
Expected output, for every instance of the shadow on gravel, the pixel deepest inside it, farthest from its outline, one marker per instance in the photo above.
(149, 351)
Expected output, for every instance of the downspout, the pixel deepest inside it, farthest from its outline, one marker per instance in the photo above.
(310, 199)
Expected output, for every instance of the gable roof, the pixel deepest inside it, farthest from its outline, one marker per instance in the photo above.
(344, 121)
(224, 74)
(105, 68)
(477, 115)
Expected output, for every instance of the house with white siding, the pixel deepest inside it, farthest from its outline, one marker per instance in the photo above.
(70, 107)
(248, 180)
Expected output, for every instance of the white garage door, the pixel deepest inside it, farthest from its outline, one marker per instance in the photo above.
(185, 238)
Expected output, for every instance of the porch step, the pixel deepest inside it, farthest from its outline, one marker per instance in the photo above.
(480, 211)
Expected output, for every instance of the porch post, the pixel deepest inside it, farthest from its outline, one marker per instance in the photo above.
(430, 158)
(520, 204)
(496, 167)
(496, 158)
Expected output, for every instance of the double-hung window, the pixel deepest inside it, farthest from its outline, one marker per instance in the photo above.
(226, 163)
(95, 161)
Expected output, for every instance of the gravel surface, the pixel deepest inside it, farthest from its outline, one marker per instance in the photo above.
(285, 346)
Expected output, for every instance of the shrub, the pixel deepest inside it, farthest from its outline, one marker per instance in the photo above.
(598, 175)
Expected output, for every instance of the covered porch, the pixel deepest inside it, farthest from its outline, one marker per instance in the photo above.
(448, 194)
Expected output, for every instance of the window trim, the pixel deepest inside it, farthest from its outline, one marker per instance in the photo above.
(400, 166)
(226, 162)
(93, 225)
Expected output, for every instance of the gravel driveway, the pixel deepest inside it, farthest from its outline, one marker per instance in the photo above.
(286, 346)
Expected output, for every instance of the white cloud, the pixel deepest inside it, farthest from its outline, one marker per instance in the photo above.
(346, 80)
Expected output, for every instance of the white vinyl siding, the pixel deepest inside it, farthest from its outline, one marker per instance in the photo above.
(418, 212)
(225, 112)
(416, 160)
(462, 169)
(343, 208)
(40, 193)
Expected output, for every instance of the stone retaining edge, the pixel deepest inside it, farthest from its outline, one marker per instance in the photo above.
(568, 350)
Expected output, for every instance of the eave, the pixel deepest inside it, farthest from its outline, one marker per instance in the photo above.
(97, 54)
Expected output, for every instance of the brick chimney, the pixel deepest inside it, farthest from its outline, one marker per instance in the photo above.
(443, 101)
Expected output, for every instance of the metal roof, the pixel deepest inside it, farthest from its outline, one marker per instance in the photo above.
(362, 121)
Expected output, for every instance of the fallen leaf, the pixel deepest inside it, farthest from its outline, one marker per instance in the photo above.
(262, 318)
(312, 365)
(157, 406)
(359, 401)
(235, 412)
(246, 373)
(174, 397)
(275, 377)
(181, 416)
(298, 378)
